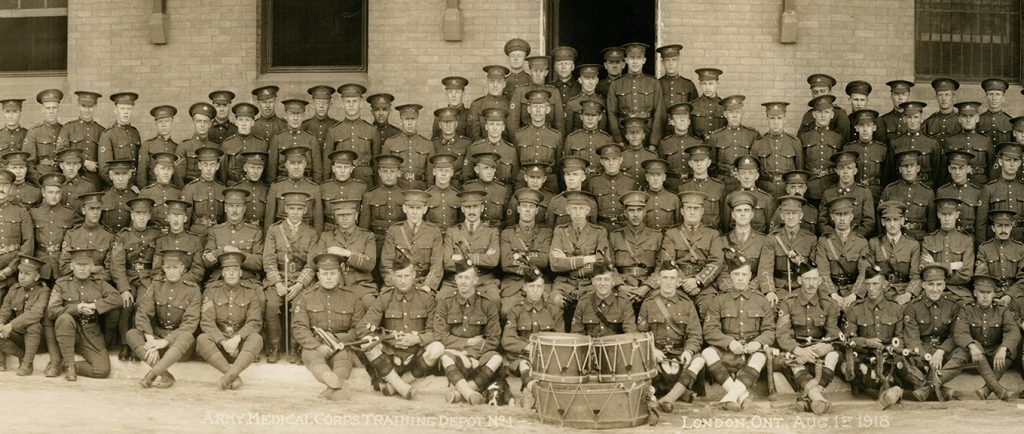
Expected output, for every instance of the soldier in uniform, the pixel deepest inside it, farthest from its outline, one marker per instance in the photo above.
(41, 141)
(753, 246)
(138, 240)
(777, 151)
(584, 141)
(575, 247)
(893, 123)
(588, 79)
(796, 185)
(943, 123)
(918, 197)
(634, 152)
(1001, 257)
(355, 245)
(533, 313)
(708, 113)
(574, 173)
(296, 158)
(673, 147)
(201, 114)
(987, 335)
(634, 246)
(914, 139)
(443, 206)
(177, 238)
(818, 146)
(601, 311)
(51, 220)
(534, 175)
(994, 123)
(858, 92)
(121, 141)
(292, 136)
(165, 321)
(163, 116)
(494, 124)
(518, 108)
(252, 169)
(268, 124)
(974, 143)
(872, 323)
(382, 205)
(321, 122)
(898, 256)
(236, 235)
(662, 206)
(352, 133)
(12, 135)
(842, 256)
(21, 316)
(454, 90)
(230, 322)
(516, 50)
(495, 98)
(537, 141)
(846, 168)
(959, 164)
(738, 326)
(525, 246)
(342, 185)
(243, 141)
(497, 193)
(412, 147)
(467, 324)
(731, 141)
(610, 185)
(420, 241)
(74, 185)
(162, 190)
(950, 248)
(475, 242)
(792, 243)
(448, 141)
(1006, 189)
(76, 302)
(406, 314)
(564, 59)
(205, 193)
(747, 173)
(696, 250)
(928, 329)
(336, 310)
(637, 95)
(872, 154)
(380, 107)
(700, 160)
(116, 214)
(821, 84)
(614, 64)
(22, 192)
(84, 133)
(221, 126)
(808, 324)
(674, 88)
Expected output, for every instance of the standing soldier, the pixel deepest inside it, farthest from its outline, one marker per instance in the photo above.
(534, 174)
(221, 127)
(950, 248)
(117, 214)
(943, 123)
(321, 122)
(288, 246)
(84, 133)
(1005, 190)
(295, 162)
(201, 113)
(610, 185)
(752, 246)
(497, 193)
(872, 154)
(776, 150)
(75, 304)
(473, 241)
(634, 247)
(419, 241)
(696, 250)
(518, 103)
(959, 167)
(796, 186)
(161, 190)
(177, 238)
(791, 243)
(928, 328)
(708, 114)
(893, 124)
(574, 173)
(243, 141)
(454, 90)
(525, 246)
(821, 84)
(447, 141)
(22, 192)
(819, 144)
(12, 135)
(973, 142)
(1000, 257)
(537, 141)
(494, 124)
(380, 107)
(352, 243)
(352, 133)
(495, 98)
(764, 207)
(412, 147)
(872, 323)
(635, 153)
(533, 313)
(674, 87)
(614, 63)
(43, 140)
(342, 186)
(713, 189)
(588, 79)
(575, 247)
(235, 235)
(637, 95)
(842, 255)
(121, 141)
(230, 322)
(995, 123)
(252, 168)
(382, 205)
(731, 141)
(163, 116)
(845, 168)
(584, 141)
(443, 206)
(139, 241)
(167, 317)
(21, 316)
(104, 245)
(205, 193)
(292, 136)
(859, 92)
(673, 147)
(898, 256)
(516, 50)
(565, 62)
(74, 185)
(268, 124)
(51, 219)
(662, 209)
(918, 197)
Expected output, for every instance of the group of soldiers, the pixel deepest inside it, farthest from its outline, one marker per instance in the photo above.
(583, 204)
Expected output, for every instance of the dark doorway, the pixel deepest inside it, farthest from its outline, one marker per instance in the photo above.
(590, 26)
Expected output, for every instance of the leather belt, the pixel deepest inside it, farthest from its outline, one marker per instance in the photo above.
(897, 278)
(641, 115)
(872, 181)
(635, 271)
(844, 280)
(914, 226)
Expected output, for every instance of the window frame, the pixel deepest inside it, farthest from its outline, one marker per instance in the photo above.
(267, 37)
(1017, 78)
(39, 13)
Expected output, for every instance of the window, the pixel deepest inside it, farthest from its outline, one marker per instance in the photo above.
(969, 40)
(314, 35)
(35, 37)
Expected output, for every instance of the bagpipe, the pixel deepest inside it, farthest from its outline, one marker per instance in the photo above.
(879, 364)
(331, 341)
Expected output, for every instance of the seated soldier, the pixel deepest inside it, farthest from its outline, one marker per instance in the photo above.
(739, 326)
(138, 240)
(1001, 257)
(600, 310)
(928, 331)
(808, 323)
(842, 255)
(752, 245)
(950, 248)
(872, 323)
(986, 335)
(407, 350)
(231, 319)
(575, 248)
(696, 250)
(335, 310)
(673, 319)
(796, 189)
(467, 325)
(531, 314)
(354, 244)
(898, 256)
(418, 240)
(21, 315)
(792, 242)
(177, 238)
(474, 241)
(525, 245)
(234, 235)
(75, 306)
(634, 247)
(165, 320)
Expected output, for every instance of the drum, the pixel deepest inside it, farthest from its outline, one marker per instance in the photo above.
(559, 357)
(625, 357)
(593, 405)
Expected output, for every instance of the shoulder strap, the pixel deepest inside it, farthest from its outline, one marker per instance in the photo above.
(668, 318)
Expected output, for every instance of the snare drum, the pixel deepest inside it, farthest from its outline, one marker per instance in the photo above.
(593, 405)
(559, 357)
(625, 357)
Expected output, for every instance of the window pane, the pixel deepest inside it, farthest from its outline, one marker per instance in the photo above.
(8, 4)
(318, 33)
(34, 44)
(56, 3)
(968, 40)
(33, 4)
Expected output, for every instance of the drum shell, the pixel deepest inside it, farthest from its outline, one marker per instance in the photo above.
(560, 357)
(626, 357)
(617, 405)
